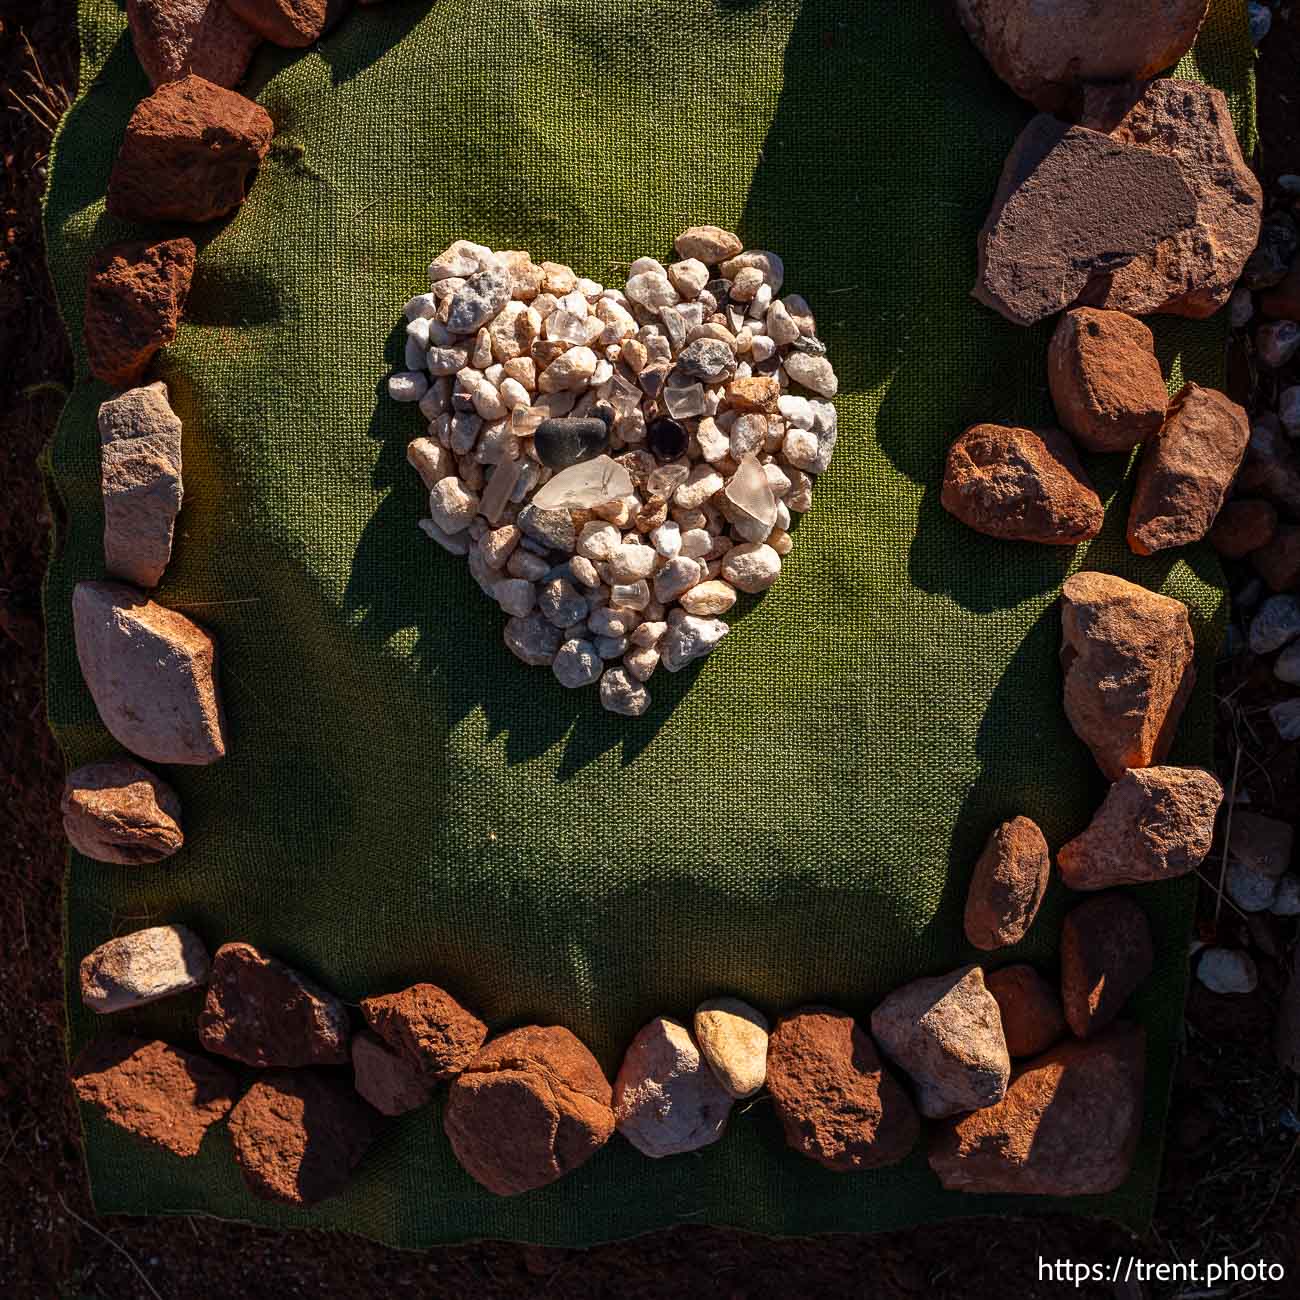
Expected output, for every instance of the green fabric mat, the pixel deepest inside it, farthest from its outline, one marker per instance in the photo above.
(402, 799)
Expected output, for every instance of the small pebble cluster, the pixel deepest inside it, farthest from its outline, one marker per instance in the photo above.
(619, 465)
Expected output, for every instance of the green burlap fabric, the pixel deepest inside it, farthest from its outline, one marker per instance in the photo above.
(402, 799)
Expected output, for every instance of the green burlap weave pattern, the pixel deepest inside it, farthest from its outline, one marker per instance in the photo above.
(402, 799)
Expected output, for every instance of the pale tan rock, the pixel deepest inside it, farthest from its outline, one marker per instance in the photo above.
(141, 967)
(707, 244)
(732, 1037)
(120, 812)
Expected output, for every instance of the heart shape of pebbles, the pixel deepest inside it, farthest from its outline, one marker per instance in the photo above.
(616, 464)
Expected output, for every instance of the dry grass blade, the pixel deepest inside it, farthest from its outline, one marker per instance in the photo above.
(43, 103)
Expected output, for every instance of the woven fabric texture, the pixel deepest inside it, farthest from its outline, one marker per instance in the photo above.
(403, 800)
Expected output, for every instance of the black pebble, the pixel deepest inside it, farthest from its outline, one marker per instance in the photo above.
(560, 443)
(667, 438)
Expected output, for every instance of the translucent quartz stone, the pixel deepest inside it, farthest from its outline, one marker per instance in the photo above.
(498, 490)
(591, 483)
(566, 327)
(674, 327)
(665, 480)
(684, 400)
(749, 490)
(574, 303)
(525, 419)
(623, 395)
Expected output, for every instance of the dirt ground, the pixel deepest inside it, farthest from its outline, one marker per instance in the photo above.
(1231, 1185)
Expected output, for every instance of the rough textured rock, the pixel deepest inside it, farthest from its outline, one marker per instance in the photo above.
(1192, 272)
(531, 1107)
(189, 153)
(1024, 485)
(1068, 1126)
(160, 1093)
(1008, 884)
(945, 1031)
(1243, 526)
(134, 297)
(142, 967)
(1155, 823)
(1072, 204)
(1043, 49)
(118, 811)
(428, 1026)
(1105, 379)
(152, 673)
(1106, 955)
(140, 475)
(265, 1013)
(836, 1101)
(390, 1081)
(1032, 1019)
(1186, 470)
(294, 24)
(1127, 655)
(732, 1037)
(667, 1100)
(299, 1135)
(173, 38)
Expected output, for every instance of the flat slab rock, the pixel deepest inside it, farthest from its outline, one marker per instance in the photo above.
(428, 1026)
(298, 1135)
(152, 673)
(1156, 823)
(1127, 654)
(173, 38)
(1106, 956)
(120, 812)
(1068, 1126)
(161, 1094)
(837, 1103)
(945, 1031)
(143, 966)
(1032, 1019)
(667, 1100)
(140, 475)
(1073, 204)
(531, 1107)
(1008, 885)
(390, 1081)
(265, 1013)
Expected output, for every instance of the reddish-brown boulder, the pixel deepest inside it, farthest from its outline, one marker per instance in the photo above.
(1072, 204)
(1155, 823)
(298, 1135)
(118, 811)
(1186, 470)
(1127, 654)
(1192, 272)
(1044, 49)
(1278, 563)
(173, 38)
(531, 1107)
(1105, 379)
(134, 297)
(160, 1093)
(388, 1080)
(1068, 1126)
(1243, 526)
(836, 1101)
(1008, 885)
(291, 23)
(428, 1026)
(1032, 1019)
(1023, 485)
(1106, 954)
(189, 153)
(264, 1013)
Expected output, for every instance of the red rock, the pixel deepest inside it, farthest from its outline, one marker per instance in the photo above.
(1032, 1019)
(1105, 379)
(1008, 884)
(166, 1096)
(1282, 301)
(152, 673)
(1106, 955)
(120, 812)
(531, 1107)
(1271, 469)
(1127, 655)
(1044, 49)
(428, 1026)
(1186, 470)
(388, 1080)
(189, 153)
(1022, 485)
(1278, 563)
(1072, 204)
(299, 1135)
(264, 1013)
(1154, 824)
(1243, 526)
(173, 38)
(1068, 1126)
(836, 1101)
(1192, 272)
(294, 24)
(134, 297)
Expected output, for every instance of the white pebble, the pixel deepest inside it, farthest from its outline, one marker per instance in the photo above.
(407, 386)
